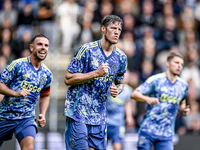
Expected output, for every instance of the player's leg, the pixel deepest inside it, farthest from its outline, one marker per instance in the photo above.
(76, 137)
(163, 145)
(144, 143)
(26, 138)
(116, 134)
(27, 143)
(97, 136)
(25, 133)
(6, 130)
(117, 146)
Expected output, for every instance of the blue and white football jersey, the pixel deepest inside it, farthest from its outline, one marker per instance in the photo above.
(21, 74)
(87, 102)
(116, 106)
(159, 119)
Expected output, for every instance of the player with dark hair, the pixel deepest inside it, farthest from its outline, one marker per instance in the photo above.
(165, 94)
(21, 83)
(96, 67)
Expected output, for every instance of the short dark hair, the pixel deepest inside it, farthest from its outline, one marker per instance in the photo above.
(111, 19)
(36, 36)
(174, 54)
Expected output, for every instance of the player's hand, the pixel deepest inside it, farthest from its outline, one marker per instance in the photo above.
(102, 70)
(113, 90)
(41, 120)
(186, 110)
(152, 101)
(23, 92)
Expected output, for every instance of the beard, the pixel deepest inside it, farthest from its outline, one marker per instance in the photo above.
(38, 58)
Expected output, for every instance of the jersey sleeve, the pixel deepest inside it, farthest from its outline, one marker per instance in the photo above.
(77, 63)
(9, 73)
(49, 80)
(185, 93)
(123, 67)
(147, 87)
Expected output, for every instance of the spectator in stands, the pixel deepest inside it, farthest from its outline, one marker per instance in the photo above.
(106, 7)
(23, 45)
(193, 119)
(146, 16)
(147, 69)
(46, 20)
(8, 12)
(34, 4)
(129, 24)
(6, 51)
(124, 7)
(168, 34)
(86, 23)
(191, 72)
(68, 12)
(7, 38)
(25, 21)
(188, 39)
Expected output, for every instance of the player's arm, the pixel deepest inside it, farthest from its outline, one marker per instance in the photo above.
(183, 108)
(43, 105)
(116, 89)
(136, 95)
(129, 114)
(80, 78)
(5, 90)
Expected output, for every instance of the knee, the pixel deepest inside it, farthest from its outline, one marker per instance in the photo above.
(27, 147)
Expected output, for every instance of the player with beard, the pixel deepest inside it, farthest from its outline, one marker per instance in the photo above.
(21, 83)
(96, 67)
(165, 94)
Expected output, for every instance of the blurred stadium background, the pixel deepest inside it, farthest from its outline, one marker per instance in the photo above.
(151, 29)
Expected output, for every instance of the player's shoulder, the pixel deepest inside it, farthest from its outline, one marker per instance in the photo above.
(85, 47)
(46, 68)
(20, 60)
(16, 62)
(156, 77)
(47, 71)
(90, 45)
(182, 81)
(120, 51)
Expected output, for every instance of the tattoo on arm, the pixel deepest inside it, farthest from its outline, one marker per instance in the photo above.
(119, 85)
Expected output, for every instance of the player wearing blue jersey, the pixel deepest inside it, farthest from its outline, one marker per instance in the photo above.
(165, 94)
(21, 83)
(117, 108)
(96, 67)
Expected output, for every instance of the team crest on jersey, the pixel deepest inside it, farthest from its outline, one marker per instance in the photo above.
(43, 80)
(74, 63)
(114, 67)
(4, 74)
(71, 143)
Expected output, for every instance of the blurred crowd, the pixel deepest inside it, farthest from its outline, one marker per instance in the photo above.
(151, 29)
